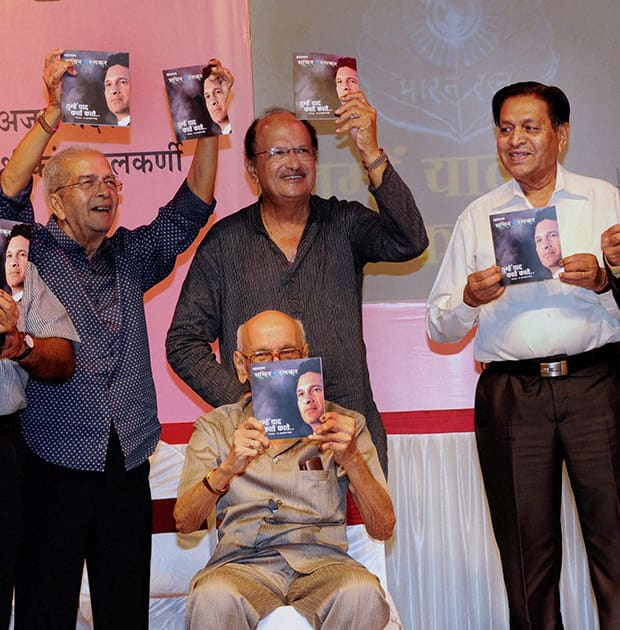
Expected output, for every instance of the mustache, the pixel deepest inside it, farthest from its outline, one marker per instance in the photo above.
(293, 171)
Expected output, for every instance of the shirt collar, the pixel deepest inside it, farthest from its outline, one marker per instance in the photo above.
(513, 193)
(314, 215)
(67, 243)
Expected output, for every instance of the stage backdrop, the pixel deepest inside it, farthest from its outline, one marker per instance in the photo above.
(430, 68)
(157, 35)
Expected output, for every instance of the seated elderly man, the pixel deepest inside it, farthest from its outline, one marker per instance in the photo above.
(282, 529)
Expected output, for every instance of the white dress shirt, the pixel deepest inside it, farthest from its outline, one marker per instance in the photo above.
(41, 315)
(533, 319)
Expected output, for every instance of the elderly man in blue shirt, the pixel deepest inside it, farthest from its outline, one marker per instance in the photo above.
(90, 438)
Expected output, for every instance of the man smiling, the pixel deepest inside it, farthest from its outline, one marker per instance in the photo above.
(550, 390)
(89, 438)
(298, 253)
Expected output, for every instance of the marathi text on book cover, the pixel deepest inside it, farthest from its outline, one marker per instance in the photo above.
(287, 396)
(319, 81)
(198, 106)
(98, 94)
(527, 244)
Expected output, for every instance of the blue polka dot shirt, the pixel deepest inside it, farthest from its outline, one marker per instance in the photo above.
(68, 424)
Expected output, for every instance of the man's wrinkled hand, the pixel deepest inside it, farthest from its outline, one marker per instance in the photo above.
(610, 244)
(54, 70)
(582, 270)
(337, 434)
(8, 312)
(359, 118)
(483, 287)
(249, 442)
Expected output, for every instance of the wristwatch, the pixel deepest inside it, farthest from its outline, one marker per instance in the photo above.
(28, 346)
(377, 162)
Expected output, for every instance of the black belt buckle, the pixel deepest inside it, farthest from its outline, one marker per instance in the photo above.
(553, 369)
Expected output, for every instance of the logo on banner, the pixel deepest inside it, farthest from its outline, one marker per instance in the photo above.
(437, 63)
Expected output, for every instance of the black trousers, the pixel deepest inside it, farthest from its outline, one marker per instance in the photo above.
(526, 427)
(11, 452)
(71, 516)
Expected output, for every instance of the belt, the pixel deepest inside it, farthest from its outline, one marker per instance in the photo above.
(557, 365)
(9, 423)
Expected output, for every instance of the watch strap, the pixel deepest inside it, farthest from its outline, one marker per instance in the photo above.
(382, 159)
(27, 349)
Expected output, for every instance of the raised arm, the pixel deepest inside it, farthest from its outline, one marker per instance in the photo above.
(359, 118)
(26, 157)
(201, 175)
(397, 232)
(338, 434)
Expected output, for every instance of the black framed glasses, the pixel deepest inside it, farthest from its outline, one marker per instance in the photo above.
(264, 356)
(92, 184)
(277, 154)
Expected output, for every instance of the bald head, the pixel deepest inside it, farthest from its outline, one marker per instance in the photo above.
(269, 331)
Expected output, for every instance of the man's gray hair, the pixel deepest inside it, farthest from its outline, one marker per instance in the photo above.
(300, 329)
(55, 172)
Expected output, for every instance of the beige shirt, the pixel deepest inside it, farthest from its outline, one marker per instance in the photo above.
(274, 506)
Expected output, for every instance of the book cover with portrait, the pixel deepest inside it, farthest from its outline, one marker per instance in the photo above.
(99, 93)
(197, 104)
(14, 249)
(527, 244)
(319, 81)
(287, 396)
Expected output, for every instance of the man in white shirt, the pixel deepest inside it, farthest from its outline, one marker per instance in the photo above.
(36, 338)
(550, 392)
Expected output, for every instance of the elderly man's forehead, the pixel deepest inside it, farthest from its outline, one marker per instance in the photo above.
(528, 103)
(280, 123)
(270, 329)
(88, 160)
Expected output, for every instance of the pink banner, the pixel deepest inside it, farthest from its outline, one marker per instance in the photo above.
(146, 157)
(407, 374)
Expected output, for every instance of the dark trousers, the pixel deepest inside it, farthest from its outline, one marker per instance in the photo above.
(11, 450)
(71, 516)
(526, 427)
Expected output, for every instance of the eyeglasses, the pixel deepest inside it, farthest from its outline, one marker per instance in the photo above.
(278, 154)
(92, 184)
(264, 356)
